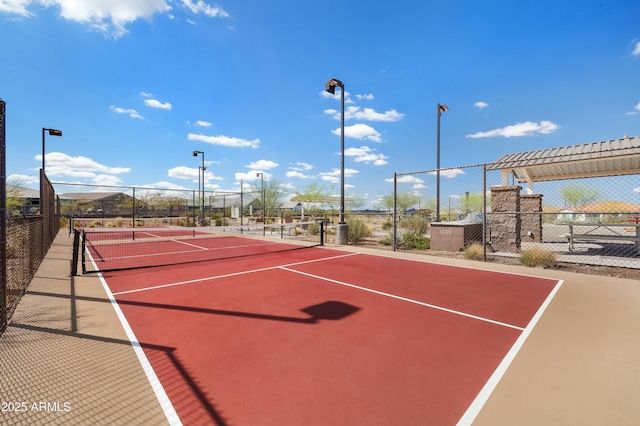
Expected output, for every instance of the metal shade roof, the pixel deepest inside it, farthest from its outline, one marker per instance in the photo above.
(607, 158)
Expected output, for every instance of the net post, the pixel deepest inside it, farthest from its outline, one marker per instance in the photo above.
(84, 259)
(322, 233)
(76, 248)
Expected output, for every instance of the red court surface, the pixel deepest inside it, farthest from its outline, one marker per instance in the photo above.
(326, 337)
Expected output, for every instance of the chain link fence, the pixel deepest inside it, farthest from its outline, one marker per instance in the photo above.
(471, 211)
(28, 238)
(90, 206)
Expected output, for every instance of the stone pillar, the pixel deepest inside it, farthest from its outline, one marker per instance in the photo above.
(505, 218)
(531, 229)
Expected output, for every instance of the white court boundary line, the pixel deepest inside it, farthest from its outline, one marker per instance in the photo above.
(233, 274)
(405, 299)
(162, 397)
(474, 409)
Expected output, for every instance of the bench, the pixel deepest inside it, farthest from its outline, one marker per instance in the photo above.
(613, 236)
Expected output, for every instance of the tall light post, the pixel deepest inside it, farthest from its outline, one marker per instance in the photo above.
(261, 176)
(439, 110)
(52, 132)
(342, 232)
(41, 203)
(195, 154)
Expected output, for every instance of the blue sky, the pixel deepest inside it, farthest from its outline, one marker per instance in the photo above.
(137, 86)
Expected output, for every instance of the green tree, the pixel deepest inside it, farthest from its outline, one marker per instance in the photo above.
(579, 195)
(312, 195)
(273, 195)
(473, 202)
(405, 200)
(354, 201)
(15, 201)
(385, 202)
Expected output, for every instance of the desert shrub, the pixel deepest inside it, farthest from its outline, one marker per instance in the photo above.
(387, 224)
(412, 240)
(415, 225)
(95, 224)
(313, 228)
(474, 252)
(64, 222)
(119, 222)
(357, 231)
(387, 240)
(538, 258)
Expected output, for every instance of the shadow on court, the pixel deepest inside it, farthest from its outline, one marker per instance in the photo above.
(164, 358)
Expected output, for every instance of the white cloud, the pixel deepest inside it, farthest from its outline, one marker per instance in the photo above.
(636, 51)
(528, 128)
(334, 175)
(183, 172)
(109, 16)
(637, 108)
(202, 123)
(63, 165)
(337, 96)
(202, 7)
(481, 105)
(636, 189)
(449, 173)
(154, 103)
(18, 7)
(146, 95)
(20, 180)
(130, 112)
(191, 173)
(368, 114)
(224, 140)
(107, 180)
(366, 97)
(165, 185)
(301, 166)
(406, 179)
(262, 165)
(360, 131)
(252, 176)
(298, 174)
(364, 154)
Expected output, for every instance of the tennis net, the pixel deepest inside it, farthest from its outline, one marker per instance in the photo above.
(113, 249)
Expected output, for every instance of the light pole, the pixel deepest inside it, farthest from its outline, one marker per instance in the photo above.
(439, 110)
(52, 132)
(195, 154)
(261, 175)
(342, 232)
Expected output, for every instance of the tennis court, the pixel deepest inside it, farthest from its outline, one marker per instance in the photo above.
(321, 336)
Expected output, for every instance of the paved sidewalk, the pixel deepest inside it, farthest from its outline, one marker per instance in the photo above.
(65, 358)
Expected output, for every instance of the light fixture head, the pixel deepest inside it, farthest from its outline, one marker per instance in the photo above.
(330, 85)
(55, 132)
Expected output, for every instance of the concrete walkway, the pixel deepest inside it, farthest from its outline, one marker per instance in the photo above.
(66, 359)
